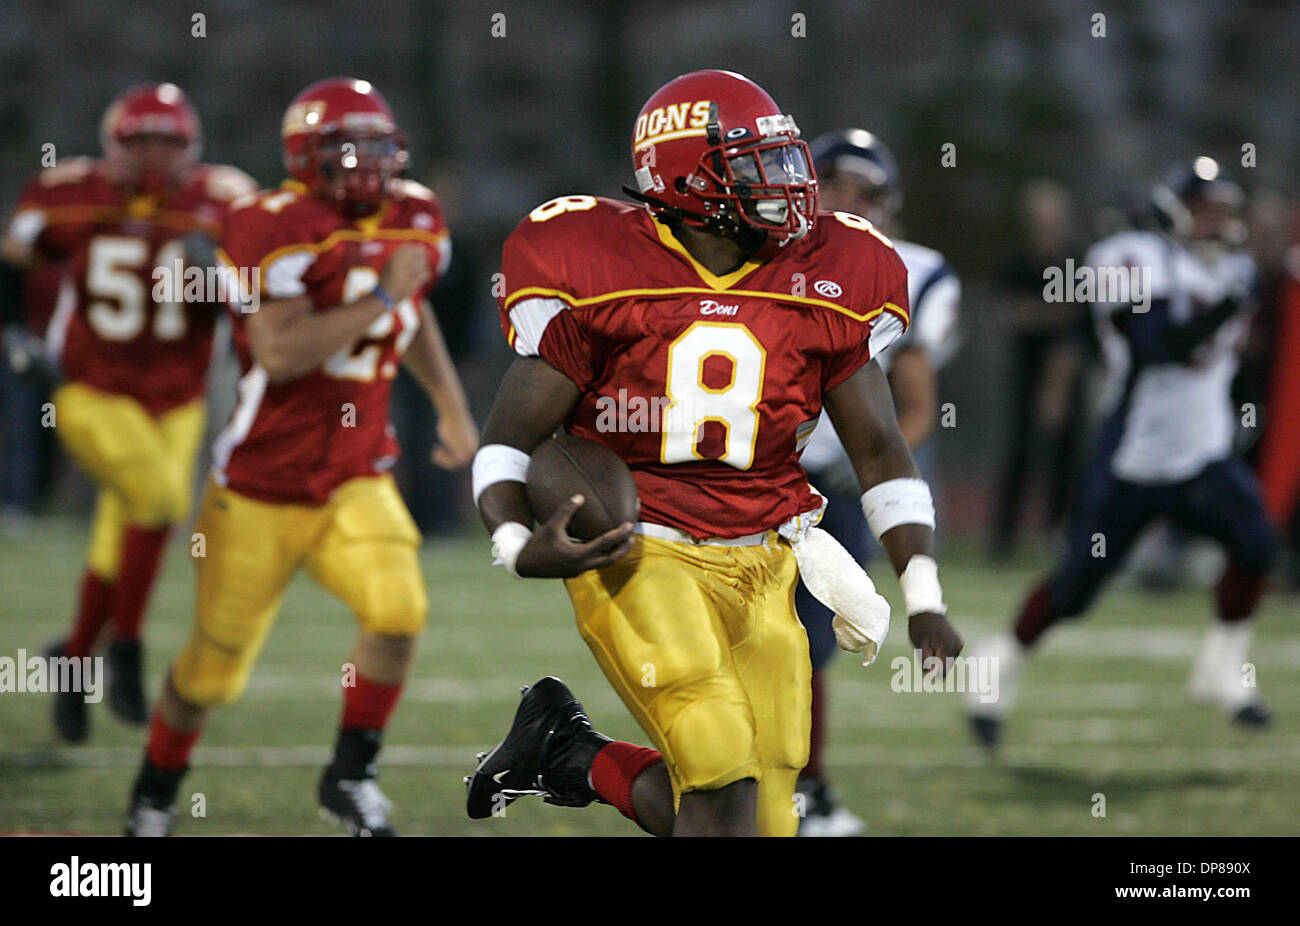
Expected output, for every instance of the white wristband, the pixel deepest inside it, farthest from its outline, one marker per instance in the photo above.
(920, 585)
(898, 501)
(498, 463)
(507, 541)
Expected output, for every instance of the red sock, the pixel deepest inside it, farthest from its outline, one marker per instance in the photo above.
(615, 768)
(818, 741)
(93, 608)
(1035, 615)
(142, 550)
(170, 749)
(367, 705)
(1238, 593)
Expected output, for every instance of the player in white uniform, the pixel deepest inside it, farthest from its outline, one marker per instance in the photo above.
(857, 174)
(1171, 307)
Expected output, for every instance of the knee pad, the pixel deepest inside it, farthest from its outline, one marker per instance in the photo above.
(150, 495)
(712, 742)
(394, 603)
(209, 676)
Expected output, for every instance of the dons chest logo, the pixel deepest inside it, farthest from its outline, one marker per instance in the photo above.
(665, 123)
(713, 307)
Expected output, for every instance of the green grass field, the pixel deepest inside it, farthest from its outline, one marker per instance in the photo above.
(1104, 711)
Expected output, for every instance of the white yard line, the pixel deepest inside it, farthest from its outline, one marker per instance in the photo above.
(1077, 640)
(1279, 754)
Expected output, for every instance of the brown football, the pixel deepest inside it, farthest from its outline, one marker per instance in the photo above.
(565, 466)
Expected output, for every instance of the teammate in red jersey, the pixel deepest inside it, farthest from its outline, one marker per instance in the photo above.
(337, 265)
(698, 335)
(130, 409)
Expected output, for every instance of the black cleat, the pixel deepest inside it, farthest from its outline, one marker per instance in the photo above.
(152, 799)
(548, 752)
(126, 682)
(71, 719)
(357, 803)
(1255, 716)
(987, 730)
(144, 819)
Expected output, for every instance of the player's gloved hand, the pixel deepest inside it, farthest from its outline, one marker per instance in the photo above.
(406, 272)
(457, 442)
(551, 553)
(931, 633)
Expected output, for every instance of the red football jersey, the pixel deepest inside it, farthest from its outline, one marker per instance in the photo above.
(297, 441)
(113, 334)
(708, 387)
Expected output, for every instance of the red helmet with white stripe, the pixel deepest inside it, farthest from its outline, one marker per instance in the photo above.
(711, 149)
(340, 139)
(151, 136)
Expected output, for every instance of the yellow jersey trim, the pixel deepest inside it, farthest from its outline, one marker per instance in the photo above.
(669, 240)
(543, 292)
(71, 215)
(433, 239)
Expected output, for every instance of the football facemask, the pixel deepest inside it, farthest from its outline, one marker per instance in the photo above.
(772, 182)
(355, 169)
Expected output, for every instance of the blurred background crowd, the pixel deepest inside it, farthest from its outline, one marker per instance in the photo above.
(1054, 118)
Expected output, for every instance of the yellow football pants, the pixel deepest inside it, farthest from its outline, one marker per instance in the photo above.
(361, 546)
(143, 465)
(703, 645)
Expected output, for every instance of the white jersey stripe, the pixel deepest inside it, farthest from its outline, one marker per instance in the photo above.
(65, 306)
(252, 388)
(530, 318)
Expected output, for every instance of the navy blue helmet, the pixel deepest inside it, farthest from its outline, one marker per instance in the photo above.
(1166, 205)
(858, 152)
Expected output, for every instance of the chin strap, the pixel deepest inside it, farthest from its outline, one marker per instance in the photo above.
(750, 238)
(671, 214)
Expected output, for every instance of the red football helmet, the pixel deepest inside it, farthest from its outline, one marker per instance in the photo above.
(151, 136)
(340, 139)
(711, 149)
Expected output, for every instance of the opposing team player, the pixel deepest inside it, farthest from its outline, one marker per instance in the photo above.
(130, 408)
(344, 255)
(1171, 320)
(856, 173)
(727, 298)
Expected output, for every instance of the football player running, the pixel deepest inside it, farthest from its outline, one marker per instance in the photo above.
(1165, 450)
(130, 406)
(345, 254)
(727, 294)
(856, 173)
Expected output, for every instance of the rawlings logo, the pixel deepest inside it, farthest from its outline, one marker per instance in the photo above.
(828, 288)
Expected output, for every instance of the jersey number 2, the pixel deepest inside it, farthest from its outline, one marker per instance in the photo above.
(360, 359)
